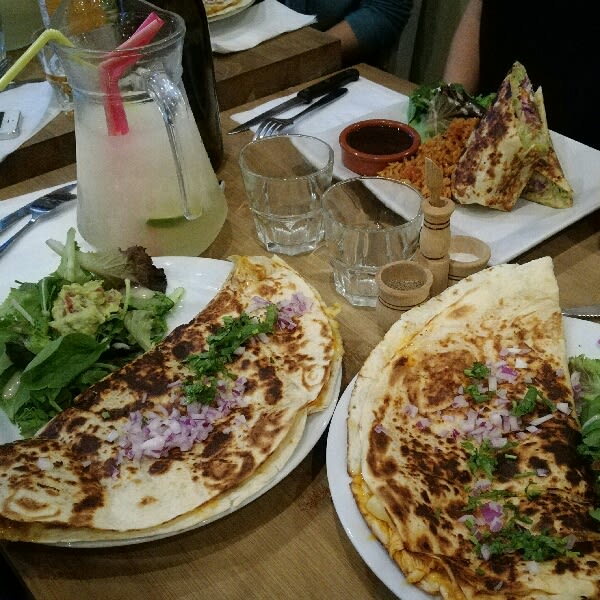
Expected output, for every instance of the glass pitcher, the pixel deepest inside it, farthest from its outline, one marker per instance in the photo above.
(143, 173)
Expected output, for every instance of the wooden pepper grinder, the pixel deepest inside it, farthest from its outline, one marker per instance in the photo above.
(434, 241)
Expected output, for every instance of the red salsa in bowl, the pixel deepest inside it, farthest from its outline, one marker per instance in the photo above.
(369, 146)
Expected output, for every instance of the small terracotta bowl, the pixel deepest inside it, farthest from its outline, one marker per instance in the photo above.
(467, 256)
(370, 146)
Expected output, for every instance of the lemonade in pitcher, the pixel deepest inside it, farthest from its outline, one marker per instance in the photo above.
(128, 191)
(143, 174)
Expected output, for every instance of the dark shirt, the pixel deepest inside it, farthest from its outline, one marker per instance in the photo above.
(558, 44)
(377, 24)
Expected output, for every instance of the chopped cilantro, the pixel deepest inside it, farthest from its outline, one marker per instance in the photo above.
(537, 547)
(529, 402)
(477, 371)
(482, 458)
(525, 474)
(476, 501)
(211, 364)
(478, 397)
(532, 491)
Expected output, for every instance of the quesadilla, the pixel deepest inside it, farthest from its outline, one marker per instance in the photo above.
(501, 153)
(548, 184)
(143, 453)
(462, 438)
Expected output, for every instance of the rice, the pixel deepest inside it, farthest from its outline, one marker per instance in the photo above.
(444, 149)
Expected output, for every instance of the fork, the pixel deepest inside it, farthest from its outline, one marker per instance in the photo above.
(272, 126)
(40, 208)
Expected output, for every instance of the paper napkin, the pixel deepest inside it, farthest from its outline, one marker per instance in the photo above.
(38, 107)
(364, 97)
(254, 25)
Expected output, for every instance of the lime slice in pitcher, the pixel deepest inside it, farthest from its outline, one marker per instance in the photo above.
(167, 221)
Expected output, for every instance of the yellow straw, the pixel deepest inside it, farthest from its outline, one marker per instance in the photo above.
(48, 35)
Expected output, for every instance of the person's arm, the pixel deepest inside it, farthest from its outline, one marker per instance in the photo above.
(350, 47)
(373, 26)
(462, 64)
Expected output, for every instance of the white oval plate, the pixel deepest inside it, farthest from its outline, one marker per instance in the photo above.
(31, 259)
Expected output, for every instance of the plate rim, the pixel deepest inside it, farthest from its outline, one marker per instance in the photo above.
(346, 509)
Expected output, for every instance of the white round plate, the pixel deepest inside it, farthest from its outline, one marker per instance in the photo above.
(228, 11)
(583, 337)
(201, 278)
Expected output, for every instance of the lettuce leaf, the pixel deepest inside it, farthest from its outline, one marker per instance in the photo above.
(431, 108)
(42, 370)
(587, 396)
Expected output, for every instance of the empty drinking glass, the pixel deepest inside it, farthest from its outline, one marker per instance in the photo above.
(369, 222)
(285, 177)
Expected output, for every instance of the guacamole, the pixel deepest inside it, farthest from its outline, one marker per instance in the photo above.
(83, 307)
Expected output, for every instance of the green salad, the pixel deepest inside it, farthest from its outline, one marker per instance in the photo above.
(585, 375)
(431, 108)
(96, 312)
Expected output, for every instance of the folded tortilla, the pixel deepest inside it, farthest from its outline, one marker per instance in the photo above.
(548, 184)
(414, 411)
(78, 479)
(501, 153)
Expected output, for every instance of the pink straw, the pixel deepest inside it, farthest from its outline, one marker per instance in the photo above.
(113, 68)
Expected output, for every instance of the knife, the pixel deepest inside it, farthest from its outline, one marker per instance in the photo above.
(305, 96)
(13, 217)
(592, 311)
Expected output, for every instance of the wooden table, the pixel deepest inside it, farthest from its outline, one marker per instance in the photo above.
(270, 67)
(275, 65)
(289, 543)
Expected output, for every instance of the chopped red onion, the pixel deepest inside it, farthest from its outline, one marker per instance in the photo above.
(459, 402)
(157, 432)
(481, 485)
(113, 434)
(43, 463)
(540, 420)
(533, 567)
(411, 410)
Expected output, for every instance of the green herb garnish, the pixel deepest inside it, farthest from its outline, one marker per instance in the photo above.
(482, 458)
(211, 365)
(529, 402)
(537, 547)
(478, 371)
(478, 397)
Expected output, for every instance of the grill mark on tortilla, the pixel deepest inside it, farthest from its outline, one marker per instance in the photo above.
(86, 444)
(271, 383)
